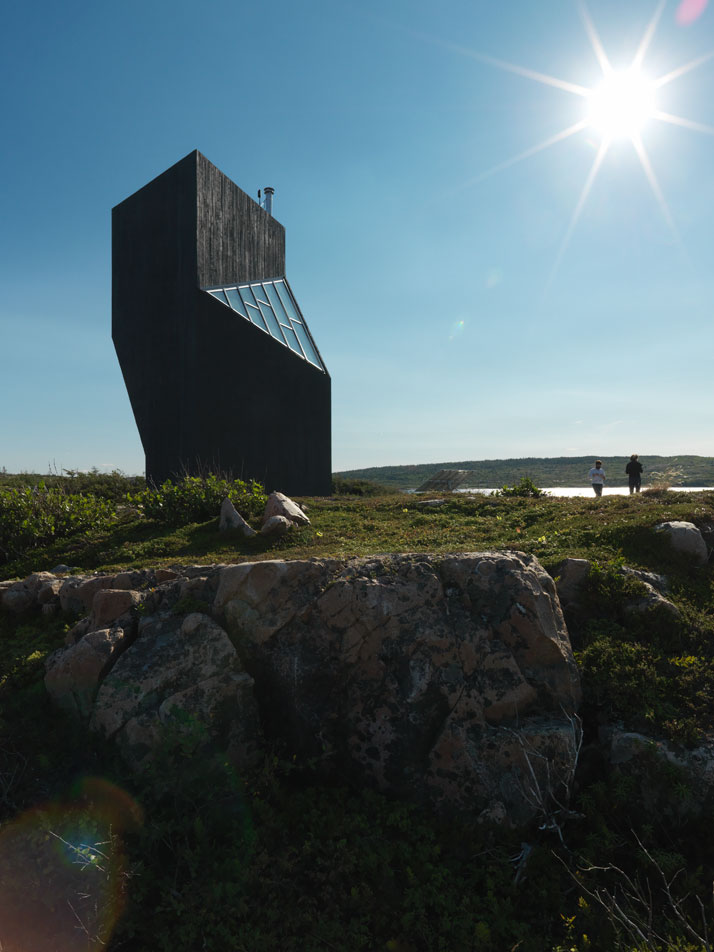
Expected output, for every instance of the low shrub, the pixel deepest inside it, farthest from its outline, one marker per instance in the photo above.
(342, 486)
(35, 516)
(526, 488)
(198, 498)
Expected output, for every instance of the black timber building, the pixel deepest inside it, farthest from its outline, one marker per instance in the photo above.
(221, 370)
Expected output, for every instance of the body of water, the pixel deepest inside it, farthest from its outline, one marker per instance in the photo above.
(588, 490)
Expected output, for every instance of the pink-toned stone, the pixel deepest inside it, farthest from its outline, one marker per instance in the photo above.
(165, 575)
(431, 677)
(73, 674)
(275, 527)
(110, 604)
(281, 505)
(87, 589)
(36, 589)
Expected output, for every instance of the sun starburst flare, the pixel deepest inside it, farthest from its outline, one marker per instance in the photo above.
(619, 107)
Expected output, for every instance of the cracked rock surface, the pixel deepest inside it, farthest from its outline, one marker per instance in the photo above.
(446, 679)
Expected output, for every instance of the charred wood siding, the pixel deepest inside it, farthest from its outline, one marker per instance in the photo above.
(210, 391)
(237, 240)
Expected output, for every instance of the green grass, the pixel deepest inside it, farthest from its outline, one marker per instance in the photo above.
(280, 858)
(552, 528)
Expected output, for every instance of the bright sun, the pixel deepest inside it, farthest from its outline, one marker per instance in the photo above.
(621, 105)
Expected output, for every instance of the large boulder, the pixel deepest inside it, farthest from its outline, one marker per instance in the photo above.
(73, 674)
(686, 538)
(181, 676)
(449, 679)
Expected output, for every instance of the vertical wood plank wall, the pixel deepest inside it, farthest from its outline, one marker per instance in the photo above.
(210, 391)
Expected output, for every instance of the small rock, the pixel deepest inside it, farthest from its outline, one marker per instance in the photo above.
(110, 604)
(573, 573)
(232, 519)
(69, 594)
(88, 589)
(165, 575)
(276, 527)
(280, 505)
(685, 538)
(129, 580)
(38, 588)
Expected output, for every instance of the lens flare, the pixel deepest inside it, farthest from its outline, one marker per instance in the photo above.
(690, 10)
(62, 870)
(457, 328)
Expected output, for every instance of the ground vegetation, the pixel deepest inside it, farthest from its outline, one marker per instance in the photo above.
(277, 858)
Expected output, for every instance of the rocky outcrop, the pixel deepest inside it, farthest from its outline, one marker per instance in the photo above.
(38, 589)
(183, 676)
(73, 674)
(447, 679)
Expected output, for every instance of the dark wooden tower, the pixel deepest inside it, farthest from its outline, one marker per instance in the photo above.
(221, 370)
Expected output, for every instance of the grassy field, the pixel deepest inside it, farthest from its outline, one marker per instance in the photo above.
(552, 528)
(280, 859)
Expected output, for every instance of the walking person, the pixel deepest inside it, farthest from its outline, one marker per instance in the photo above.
(597, 477)
(634, 474)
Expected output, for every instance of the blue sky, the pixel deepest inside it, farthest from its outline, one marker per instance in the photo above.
(461, 314)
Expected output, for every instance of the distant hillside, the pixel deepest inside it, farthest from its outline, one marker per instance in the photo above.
(557, 471)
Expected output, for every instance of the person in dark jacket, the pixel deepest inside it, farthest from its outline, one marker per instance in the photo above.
(634, 473)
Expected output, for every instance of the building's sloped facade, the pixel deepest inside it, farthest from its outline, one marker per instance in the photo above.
(222, 372)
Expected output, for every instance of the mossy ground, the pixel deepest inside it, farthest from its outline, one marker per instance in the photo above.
(280, 859)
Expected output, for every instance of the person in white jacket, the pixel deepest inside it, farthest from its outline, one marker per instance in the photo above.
(597, 477)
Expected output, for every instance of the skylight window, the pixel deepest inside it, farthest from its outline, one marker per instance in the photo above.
(272, 307)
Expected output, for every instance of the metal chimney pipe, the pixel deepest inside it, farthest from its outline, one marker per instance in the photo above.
(269, 191)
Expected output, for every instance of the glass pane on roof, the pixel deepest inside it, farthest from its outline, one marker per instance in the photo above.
(234, 299)
(287, 300)
(247, 295)
(272, 322)
(253, 309)
(304, 339)
(275, 301)
(270, 306)
(259, 292)
(256, 317)
(292, 340)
